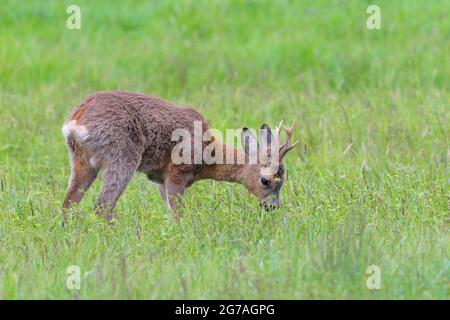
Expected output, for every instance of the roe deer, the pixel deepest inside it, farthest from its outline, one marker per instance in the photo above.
(123, 132)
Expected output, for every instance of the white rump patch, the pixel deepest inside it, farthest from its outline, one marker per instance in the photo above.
(81, 132)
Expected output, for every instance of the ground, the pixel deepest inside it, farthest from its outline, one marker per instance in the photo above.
(368, 191)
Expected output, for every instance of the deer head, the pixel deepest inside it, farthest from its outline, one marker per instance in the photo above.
(265, 177)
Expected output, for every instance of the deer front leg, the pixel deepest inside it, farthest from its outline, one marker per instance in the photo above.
(162, 192)
(174, 196)
(174, 187)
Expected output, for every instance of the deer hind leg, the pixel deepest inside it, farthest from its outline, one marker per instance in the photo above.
(81, 178)
(117, 174)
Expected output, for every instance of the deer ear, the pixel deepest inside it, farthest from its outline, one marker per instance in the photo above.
(249, 142)
(265, 135)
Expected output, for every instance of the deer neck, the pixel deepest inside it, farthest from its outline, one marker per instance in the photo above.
(226, 170)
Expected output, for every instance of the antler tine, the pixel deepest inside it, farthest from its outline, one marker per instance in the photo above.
(289, 132)
(292, 126)
(286, 146)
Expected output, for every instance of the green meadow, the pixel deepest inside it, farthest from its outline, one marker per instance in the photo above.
(369, 184)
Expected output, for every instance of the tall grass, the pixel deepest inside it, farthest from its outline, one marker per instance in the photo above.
(369, 185)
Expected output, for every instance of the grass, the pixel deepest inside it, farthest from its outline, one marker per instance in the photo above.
(369, 186)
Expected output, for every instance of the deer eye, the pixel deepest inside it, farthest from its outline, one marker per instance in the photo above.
(265, 182)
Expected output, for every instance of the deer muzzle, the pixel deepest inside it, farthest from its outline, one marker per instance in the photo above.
(270, 204)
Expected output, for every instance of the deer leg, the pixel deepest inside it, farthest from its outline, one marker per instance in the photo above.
(162, 192)
(174, 197)
(175, 185)
(81, 178)
(116, 177)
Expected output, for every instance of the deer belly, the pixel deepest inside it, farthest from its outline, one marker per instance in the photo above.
(153, 170)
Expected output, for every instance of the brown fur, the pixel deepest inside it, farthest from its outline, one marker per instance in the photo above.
(80, 111)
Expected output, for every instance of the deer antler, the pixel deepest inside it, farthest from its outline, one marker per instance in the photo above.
(286, 146)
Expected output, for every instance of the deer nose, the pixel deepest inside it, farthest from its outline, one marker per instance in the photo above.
(271, 204)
